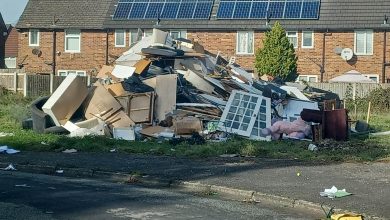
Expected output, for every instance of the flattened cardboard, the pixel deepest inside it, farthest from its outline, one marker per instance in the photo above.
(187, 125)
(165, 88)
(105, 72)
(154, 131)
(67, 98)
(115, 89)
(100, 101)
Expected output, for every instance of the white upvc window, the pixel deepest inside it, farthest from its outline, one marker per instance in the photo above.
(307, 39)
(364, 41)
(373, 77)
(72, 72)
(245, 42)
(72, 41)
(133, 36)
(33, 38)
(307, 78)
(293, 38)
(120, 38)
(178, 34)
(148, 32)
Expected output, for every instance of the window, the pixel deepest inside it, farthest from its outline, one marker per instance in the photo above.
(72, 72)
(133, 36)
(373, 77)
(72, 41)
(364, 42)
(120, 38)
(307, 39)
(148, 32)
(293, 38)
(245, 42)
(33, 38)
(10, 62)
(307, 78)
(178, 34)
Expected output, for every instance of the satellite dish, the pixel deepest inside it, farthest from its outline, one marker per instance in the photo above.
(36, 51)
(346, 54)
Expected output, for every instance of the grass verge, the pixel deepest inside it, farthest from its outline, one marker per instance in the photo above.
(14, 108)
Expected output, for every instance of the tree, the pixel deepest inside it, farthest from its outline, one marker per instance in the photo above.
(277, 57)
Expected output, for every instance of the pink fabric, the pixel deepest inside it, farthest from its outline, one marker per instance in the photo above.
(296, 129)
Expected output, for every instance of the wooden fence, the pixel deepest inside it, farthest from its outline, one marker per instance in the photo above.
(32, 85)
(355, 89)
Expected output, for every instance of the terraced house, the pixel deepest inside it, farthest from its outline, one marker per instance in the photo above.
(331, 37)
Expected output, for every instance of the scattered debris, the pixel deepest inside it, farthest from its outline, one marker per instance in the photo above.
(312, 147)
(334, 193)
(346, 216)
(23, 185)
(8, 150)
(175, 89)
(69, 151)
(229, 155)
(60, 171)
(113, 150)
(10, 167)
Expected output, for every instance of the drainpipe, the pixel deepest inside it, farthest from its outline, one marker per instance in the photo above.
(322, 70)
(384, 56)
(107, 47)
(54, 52)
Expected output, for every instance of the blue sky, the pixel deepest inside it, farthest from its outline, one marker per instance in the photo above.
(12, 9)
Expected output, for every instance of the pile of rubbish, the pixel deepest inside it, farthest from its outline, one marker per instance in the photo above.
(175, 89)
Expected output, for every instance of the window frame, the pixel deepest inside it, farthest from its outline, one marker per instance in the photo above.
(312, 40)
(365, 31)
(290, 36)
(372, 75)
(253, 42)
(308, 77)
(72, 35)
(180, 33)
(29, 37)
(67, 72)
(132, 31)
(124, 37)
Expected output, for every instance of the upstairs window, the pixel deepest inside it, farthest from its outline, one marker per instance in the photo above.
(245, 42)
(72, 41)
(120, 38)
(33, 38)
(307, 39)
(293, 38)
(364, 41)
(178, 34)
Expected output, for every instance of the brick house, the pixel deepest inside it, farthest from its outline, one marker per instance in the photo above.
(3, 37)
(11, 47)
(91, 33)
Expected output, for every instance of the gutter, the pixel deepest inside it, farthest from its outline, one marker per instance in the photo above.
(54, 64)
(107, 31)
(384, 57)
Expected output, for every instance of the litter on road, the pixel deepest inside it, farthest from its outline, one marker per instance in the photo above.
(10, 167)
(334, 193)
(8, 150)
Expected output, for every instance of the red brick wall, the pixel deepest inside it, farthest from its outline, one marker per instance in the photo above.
(309, 59)
(92, 52)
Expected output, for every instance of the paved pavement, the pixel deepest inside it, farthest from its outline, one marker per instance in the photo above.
(368, 182)
(35, 196)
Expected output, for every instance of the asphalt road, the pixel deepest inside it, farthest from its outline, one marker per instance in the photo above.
(33, 196)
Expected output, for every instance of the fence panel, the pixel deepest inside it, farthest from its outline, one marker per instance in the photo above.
(7, 80)
(341, 89)
(37, 85)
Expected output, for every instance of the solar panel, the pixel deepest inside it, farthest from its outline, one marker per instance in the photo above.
(273, 9)
(164, 9)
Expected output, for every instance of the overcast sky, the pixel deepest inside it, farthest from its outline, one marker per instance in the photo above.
(11, 10)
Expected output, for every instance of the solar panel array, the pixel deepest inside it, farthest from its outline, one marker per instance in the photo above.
(276, 9)
(164, 9)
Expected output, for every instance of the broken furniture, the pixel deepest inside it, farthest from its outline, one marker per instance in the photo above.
(138, 106)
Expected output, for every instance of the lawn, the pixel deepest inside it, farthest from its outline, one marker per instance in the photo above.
(14, 108)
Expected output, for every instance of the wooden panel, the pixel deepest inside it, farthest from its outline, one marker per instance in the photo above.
(138, 106)
(165, 88)
(38, 85)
